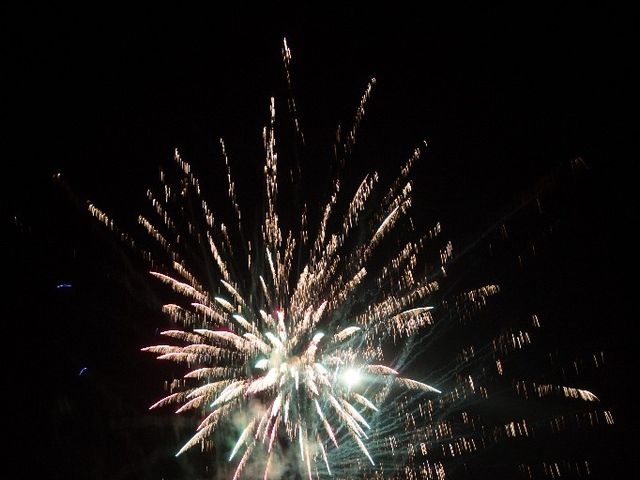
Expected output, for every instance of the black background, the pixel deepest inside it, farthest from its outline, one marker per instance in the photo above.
(507, 99)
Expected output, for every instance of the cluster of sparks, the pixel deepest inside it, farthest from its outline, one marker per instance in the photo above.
(286, 336)
(283, 347)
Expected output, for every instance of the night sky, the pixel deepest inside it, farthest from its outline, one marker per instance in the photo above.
(517, 106)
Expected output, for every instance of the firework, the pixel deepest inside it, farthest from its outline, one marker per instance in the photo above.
(283, 336)
(293, 344)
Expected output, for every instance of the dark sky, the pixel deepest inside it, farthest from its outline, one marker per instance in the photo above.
(508, 99)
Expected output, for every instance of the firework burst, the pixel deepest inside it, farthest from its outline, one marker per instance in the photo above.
(288, 331)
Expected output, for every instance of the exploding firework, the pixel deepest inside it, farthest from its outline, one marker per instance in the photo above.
(297, 338)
